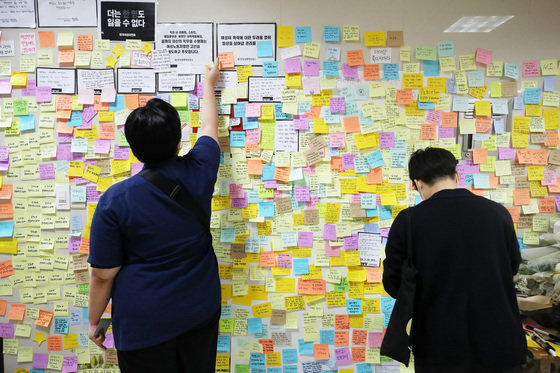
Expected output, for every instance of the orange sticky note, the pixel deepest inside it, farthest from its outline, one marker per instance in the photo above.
(371, 71)
(514, 212)
(359, 337)
(6, 192)
(226, 60)
(351, 124)
(358, 354)
(131, 101)
(521, 197)
(282, 174)
(45, 318)
(547, 205)
(404, 97)
(64, 102)
(483, 124)
(54, 343)
(341, 336)
(46, 39)
(62, 126)
(66, 56)
(3, 306)
(6, 210)
(373, 274)
(355, 57)
(341, 322)
(6, 268)
(268, 345)
(449, 119)
(254, 167)
(143, 99)
(17, 312)
(480, 156)
(98, 105)
(85, 42)
(84, 246)
(375, 176)
(428, 131)
(267, 259)
(321, 351)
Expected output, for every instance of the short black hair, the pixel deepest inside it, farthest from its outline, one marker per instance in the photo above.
(431, 164)
(153, 131)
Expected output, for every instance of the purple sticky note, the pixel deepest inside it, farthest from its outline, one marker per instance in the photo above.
(301, 122)
(348, 161)
(271, 184)
(433, 117)
(102, 146)
(5, 87)
(305, 239)
(40, 361)
(65, 138)
(329, 232)
(70, 364)
(7, 330)
(446, 133)
(301, 193)
(557, 200)
(342, 355)
(121, 152)
(63, 153)
(109, 340)
(384, 232)
(43, 94)
(311, 67)
(351, 242)
(4, 153)
(239, 202)
(30, 90)
(506, 153)
(293, 65)
(92, 195)
(88, 113)
(374, 339)
(46, 171)
(199, 89)
(74, 244)
(386, 139)
(337, 105)
(350, 72)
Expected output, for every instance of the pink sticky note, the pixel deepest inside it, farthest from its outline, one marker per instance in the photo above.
(329, 232)
(253, 110)
(433, 117)
(121, 152)
(350, 72)
(108, 94)
(293, 65)
(311, 67)
(301, 122)
(30, 90)
(109, 340)
(337, 139)
(531, 68)
(549, 177)
(337, 104)
(271, 184)
(5, 87)
(43, 94)
(384, 232)
(305, 239)
(135, 168)
(301, 193)
(386, 139)
(239, 203)
(92, 195)
(253, 136)
(102, 146)
(374, 339)
(236, 191)
(483, 56)
(331, 250)
(85, 96)
(284, 261)
(311, 85)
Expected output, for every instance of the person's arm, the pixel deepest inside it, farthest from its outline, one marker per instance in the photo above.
(209, 115)
(395, 255)
(99, 294)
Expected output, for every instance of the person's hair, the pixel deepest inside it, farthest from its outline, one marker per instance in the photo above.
(431, 164)
(153, 131)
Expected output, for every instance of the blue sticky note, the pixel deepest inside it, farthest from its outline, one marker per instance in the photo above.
(425, 105)
(75, 119)
(548, 83)
(301, 266)
(37, 371)
(531, 96)
(266, 209)
(264, 333)
(398, 158)
(363, 368)
(371, 213)
(226, 312)
(431, 68)
(279, 114)
(237, 139)
(74, 317)
(475, 78)
(264, 48)
(78, 194)
(6, 228)
(361, 165)
(460, 103)
(239, 109)
(500, 106)
(268, 172)
(390, 71)
(27, 122)
(385, 212)
(289, 355)
(387, 304)
(76, 223)
(304, 107)
(250, 123)
(118, 104)
(446, 48)
(289, 369)
(330, 68)
(79, 145)
(164, 97)
(354, 306)
(305, 348)
(274, 370)
(518, 102)
(270, 68)
(257, 360)
(469, 179)
(303, 34)
(326, 337)
(375, 159)
(451, 85)
(481, 181)
(61, 325)
(223, 342)
(499, 125)
(227, 234)
(511, 71)
(331, 33)
(253, 196)
(254, 325)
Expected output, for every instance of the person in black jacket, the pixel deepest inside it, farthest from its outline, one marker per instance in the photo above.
(465, 249)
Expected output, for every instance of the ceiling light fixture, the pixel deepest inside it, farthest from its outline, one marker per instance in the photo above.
(478, 23)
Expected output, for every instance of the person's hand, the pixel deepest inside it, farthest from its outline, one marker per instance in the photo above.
(97, 340)
(212, 75)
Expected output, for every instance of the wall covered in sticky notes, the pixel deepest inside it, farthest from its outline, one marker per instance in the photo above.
(320, 107)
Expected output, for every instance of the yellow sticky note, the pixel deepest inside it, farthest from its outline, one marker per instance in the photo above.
(244, 72)
(549, 67)
(76, 168)
(106, 116)
(18, 79)
(374, 38)
(179, 99)
(110, 61)
(285, 36)
(118, 50)
(311, 50)
(92, 173)
(147, 47)
(133, 44)
(351, 33)
(482, 108)
(388, 199)
(496, 89)
(102, 44)
(65, 39)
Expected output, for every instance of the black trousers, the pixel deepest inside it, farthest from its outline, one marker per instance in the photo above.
(422, 367)
(193, 351)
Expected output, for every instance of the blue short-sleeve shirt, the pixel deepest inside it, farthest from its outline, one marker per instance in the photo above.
(169, 280)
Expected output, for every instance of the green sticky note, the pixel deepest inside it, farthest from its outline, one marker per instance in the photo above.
(426, 53)
(75, 105)
(496, 89)
(343, 287)
(21, 107)
(241, 368)
(83, 288)
(13, 130)
(121, 139)
(184, 115)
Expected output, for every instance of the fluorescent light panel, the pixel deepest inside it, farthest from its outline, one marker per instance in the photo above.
(477, 23)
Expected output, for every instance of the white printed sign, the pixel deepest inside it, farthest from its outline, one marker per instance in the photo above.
(67, 13)
(266, 89)
(17, 13)
(136, 81)
(381, 55)
(242, 38)
(95, 79)
(60, 80)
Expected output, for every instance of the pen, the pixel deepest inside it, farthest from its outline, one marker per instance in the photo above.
(540, 331)
(544, 344)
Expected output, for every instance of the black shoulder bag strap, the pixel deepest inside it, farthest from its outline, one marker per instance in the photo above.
(177, 193)
(410, 256)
